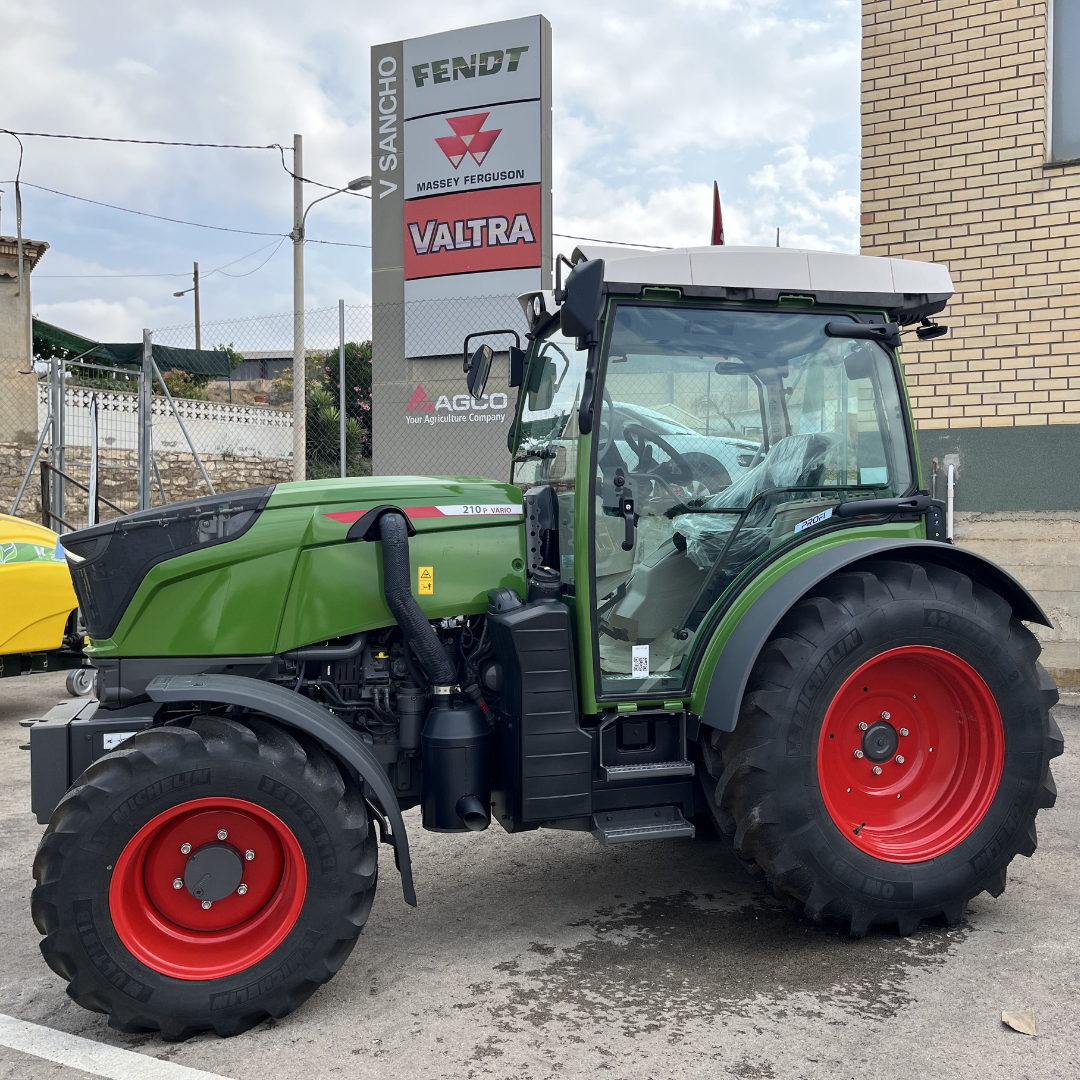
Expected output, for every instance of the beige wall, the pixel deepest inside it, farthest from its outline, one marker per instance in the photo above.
(954, 171)
(18, 391)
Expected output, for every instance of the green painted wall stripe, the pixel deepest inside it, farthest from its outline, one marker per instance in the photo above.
(1011, 468)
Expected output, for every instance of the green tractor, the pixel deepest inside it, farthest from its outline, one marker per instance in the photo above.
(713, 595)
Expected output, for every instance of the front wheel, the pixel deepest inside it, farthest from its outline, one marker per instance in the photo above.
(204, 876)
(892, 750)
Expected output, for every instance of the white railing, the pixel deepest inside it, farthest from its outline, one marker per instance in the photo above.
(215, 427)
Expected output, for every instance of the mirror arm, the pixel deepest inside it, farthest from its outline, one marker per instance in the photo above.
(485, 333)
(560, 292)
(588, 390)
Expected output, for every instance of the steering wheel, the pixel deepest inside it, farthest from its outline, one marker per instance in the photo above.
(638, 436)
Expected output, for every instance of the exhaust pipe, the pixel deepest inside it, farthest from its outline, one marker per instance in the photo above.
(393, 531)
(473, 812)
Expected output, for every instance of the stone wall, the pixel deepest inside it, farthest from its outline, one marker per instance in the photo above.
(1042, 551)
(180, 478)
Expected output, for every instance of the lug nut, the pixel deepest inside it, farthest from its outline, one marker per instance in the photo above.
(178, 883)
(222, 833)
(249, 854)
(886, 716)
(206, 905)
(863, 725)
(242, 889)
(185, 849)
(877, 770)
(858, 753)
(899, 759)
(904, 731)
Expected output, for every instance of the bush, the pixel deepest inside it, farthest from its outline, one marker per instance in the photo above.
(182, 384)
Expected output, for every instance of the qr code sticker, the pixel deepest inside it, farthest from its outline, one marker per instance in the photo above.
(639, 660)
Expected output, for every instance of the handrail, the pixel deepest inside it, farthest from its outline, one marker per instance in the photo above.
(79, 484)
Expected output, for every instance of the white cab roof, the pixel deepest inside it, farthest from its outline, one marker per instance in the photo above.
(792, 269)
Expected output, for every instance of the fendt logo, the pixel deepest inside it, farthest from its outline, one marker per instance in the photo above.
(489, 63)
(468, 139)
(459, 409)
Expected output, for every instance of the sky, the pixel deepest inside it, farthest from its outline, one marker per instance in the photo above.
(651, 104)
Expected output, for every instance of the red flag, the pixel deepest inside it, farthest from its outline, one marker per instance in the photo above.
(717, 217)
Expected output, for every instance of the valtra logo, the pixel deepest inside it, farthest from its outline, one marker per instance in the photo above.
(468, 139)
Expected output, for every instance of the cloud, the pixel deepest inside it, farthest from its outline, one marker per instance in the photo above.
(651, 103)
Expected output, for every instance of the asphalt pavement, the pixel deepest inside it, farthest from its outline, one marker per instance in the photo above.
(546, 955)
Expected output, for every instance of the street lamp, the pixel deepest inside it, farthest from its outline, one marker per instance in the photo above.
(299, 365)
(198, 321)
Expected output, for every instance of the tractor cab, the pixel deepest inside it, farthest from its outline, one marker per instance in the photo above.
(696, 427)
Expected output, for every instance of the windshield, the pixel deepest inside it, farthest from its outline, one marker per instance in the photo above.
(733, 431)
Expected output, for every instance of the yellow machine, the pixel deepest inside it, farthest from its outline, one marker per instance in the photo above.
(37, 604)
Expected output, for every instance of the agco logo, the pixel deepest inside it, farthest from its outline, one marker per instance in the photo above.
(468, 139)
(456, 409)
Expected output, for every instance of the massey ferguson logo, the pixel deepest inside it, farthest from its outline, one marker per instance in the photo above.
(468, 139)
(458, 409)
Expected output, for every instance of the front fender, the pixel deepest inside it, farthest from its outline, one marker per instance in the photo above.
(723, 696)
(305, 715)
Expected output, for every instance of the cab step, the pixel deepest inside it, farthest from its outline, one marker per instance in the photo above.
(652, 823)
(649, 770)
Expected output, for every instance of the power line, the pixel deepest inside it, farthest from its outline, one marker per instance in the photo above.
(336, 243)
(248, 273)
(182, 273)
(143, 142)
(617, 243)
(157, 217)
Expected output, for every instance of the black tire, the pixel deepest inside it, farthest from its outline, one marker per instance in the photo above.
(762, 779)
(161, 768)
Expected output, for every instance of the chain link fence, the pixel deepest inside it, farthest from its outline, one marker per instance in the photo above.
(407, 410)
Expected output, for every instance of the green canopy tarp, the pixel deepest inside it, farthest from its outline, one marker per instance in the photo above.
(193, 361)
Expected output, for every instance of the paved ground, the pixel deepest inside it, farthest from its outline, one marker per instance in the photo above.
(546, 955)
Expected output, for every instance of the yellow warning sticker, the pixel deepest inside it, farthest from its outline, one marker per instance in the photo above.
(425, 580)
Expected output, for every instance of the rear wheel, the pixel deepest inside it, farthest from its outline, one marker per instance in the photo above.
(892, 749)
(204, 877)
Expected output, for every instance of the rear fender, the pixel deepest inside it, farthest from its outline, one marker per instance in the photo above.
(303, 714)
(728, 684)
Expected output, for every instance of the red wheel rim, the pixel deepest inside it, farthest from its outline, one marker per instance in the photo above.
(929, 793)
(168, 928)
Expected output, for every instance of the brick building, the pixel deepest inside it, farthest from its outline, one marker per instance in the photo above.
(971, 157)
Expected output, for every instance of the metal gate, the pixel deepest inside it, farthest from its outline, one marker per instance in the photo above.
(95, 457)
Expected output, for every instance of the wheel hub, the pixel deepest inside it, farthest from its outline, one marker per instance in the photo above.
(189, 905)
(910, 792)
(880, 740)
(214, 871)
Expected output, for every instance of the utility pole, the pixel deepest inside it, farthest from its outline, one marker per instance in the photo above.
(299, 367)
(198, 318)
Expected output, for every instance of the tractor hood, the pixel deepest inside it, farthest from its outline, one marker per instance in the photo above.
(260, 571)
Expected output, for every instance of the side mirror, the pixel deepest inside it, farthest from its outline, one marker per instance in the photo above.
(542, 386)
(479, 369)
(859, 363)
(584, 299)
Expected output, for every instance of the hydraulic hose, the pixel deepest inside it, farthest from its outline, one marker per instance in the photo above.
(403, 606)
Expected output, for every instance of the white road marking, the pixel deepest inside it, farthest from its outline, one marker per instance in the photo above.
(89, 1056)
